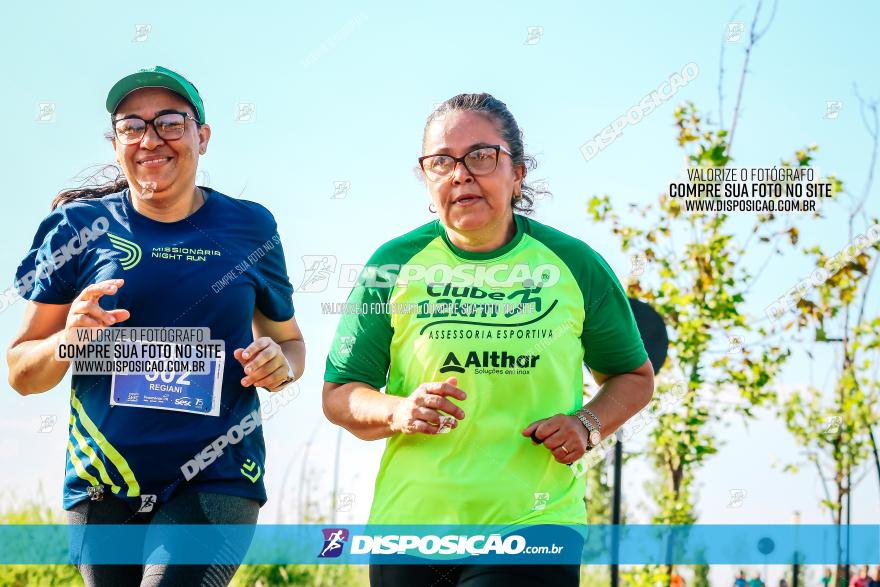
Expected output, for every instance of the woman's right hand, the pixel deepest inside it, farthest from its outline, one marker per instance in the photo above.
(420, 412)
(34, 366)
(86, 313)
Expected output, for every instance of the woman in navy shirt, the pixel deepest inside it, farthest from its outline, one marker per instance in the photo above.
(156, 250)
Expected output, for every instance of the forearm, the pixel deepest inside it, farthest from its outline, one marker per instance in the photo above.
(295, 353)
(33, 367)
(620, 398)
(361, 409)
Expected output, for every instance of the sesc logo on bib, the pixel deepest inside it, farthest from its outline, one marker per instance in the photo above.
(491, 362)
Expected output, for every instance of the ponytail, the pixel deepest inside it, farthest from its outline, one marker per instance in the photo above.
(108, 179)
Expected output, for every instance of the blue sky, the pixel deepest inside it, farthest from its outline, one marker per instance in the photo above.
(339, 93)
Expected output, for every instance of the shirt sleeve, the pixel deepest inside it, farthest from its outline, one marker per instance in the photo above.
(49, 271)
(361, 349)
(274, 291)
(611, 339)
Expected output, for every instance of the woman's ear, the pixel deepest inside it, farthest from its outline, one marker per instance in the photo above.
(520, 176)
(116, 153)
(204, 137)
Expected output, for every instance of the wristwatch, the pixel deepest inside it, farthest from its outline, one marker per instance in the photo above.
(287, 380)
(587, 418)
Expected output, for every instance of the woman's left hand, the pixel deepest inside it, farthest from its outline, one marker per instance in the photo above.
(564, 436)
(264, 363)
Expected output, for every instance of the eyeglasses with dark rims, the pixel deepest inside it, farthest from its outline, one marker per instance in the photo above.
(169, 125)
(480, 161)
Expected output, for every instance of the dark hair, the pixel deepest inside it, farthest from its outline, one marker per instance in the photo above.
(496, 111)
(108, 179)
(103, 181)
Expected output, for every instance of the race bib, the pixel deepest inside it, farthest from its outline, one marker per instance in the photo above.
(194, 393)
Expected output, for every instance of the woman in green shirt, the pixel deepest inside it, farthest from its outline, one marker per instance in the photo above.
(477, 325)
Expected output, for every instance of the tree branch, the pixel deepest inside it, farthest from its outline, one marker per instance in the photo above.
(875, 135)
(754, 36)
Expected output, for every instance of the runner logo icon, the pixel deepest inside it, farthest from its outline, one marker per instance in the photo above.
(334, 540)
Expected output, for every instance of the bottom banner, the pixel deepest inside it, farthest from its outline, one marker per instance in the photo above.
(420, 544)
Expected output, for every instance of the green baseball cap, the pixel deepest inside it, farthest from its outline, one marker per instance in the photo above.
(156, 77)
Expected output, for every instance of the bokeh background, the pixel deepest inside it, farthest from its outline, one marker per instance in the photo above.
(317, 112)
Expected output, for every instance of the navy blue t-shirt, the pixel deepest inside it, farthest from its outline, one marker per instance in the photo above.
(210, 269)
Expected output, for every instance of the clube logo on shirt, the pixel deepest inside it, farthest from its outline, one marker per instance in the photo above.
(487, 362)
(477, 307)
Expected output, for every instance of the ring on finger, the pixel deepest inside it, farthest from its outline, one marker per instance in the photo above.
(565, 449)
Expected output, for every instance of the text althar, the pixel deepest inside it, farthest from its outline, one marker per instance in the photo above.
(483, 359)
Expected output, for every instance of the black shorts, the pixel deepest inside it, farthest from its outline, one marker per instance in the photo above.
(566, 573)
(184, 508)
(474, 575)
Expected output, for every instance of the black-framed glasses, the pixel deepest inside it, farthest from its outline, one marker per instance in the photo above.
(480, 161)
(170, 126)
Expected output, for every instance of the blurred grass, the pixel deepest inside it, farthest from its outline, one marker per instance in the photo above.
(35, 512)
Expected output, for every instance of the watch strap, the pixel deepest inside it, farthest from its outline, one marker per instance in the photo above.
(588, 424)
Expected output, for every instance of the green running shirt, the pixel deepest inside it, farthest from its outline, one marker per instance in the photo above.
(514, 326)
